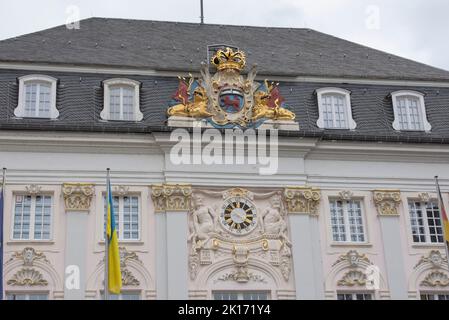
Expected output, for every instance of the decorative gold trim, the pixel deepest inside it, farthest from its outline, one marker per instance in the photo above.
(171, 197)
(128, 278)
(77, 196)
(387, 202)
(436, 279)
(302, 200)
(353, 278)
(27, 277)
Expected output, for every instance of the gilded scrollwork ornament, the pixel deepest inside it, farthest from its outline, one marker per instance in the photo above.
(387, 202)
(227, 99)
(77, 196)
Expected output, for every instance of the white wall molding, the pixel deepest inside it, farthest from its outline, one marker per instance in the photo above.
(151, 72)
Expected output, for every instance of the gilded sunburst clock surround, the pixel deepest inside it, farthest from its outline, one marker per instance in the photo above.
(238, 215)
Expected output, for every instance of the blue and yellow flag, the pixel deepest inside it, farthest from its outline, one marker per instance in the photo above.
(114, 273)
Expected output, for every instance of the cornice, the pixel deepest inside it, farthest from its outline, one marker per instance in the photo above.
(40, 67)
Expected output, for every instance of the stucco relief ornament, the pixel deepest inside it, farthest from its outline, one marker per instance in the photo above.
(28, 255)
(387, 202)
(273, 219)
(352, 278)
(77, 196)
(33, 189)
(128, 278)
(227, 99)
(203, 223)
(353, 258)
(27, 277)
(435, 279)
(435, 258)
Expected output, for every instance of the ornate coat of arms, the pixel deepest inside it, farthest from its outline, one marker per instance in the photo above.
(227, 99)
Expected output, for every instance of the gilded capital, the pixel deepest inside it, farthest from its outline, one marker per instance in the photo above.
(171, 197)
(302, 200)
(77, 196)
(387, 202)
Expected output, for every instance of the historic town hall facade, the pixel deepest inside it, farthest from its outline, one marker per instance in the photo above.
(337, 202)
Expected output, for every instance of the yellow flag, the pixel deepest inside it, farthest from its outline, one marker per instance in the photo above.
(114, 273)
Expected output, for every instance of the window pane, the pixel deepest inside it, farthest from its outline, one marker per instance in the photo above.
(44, 100)
(355, 221)
(42, 217)
(337, 221)
(30, 99)
(22, 213)
(417, 221)
(225, 296)
(255, 296)
(410, 118)
(114, 103)
(434, 222)
(334, 111)
(128, 104)
(355, 296)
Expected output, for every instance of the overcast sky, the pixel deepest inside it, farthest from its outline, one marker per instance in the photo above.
(415, 29)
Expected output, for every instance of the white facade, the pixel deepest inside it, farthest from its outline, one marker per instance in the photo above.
(161, 263)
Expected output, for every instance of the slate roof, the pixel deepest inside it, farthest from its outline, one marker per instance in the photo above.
(176, 46)
(182, 47)
(80, 101)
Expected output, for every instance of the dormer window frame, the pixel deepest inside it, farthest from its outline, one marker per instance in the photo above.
(351, 124)
(426, 126)
(121, 82)
(38, 79)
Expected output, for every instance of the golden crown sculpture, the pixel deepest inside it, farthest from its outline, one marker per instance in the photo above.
(228, 59)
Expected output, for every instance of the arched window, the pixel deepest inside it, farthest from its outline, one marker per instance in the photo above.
(409, 111)
(121, 100)
(334, 106)
(37, 97)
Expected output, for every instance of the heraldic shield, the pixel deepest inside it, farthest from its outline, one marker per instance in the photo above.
(227, 99)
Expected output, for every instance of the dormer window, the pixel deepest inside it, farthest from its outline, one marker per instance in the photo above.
(121, 100)
(409, 111)
(334, 106)
(37, 97)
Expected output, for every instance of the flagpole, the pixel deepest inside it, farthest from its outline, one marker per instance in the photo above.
(1, 232)
(106, 240)
(442, 208)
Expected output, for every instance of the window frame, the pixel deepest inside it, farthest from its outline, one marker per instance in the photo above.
(240, 294)
(120, 82)
(351, 124)
(427, 235)
(121, 220)
(122, 293)
(32, 217)
(434, 294)
(28, 294)
(354, 294)
(427, 127)
(19, 111)
(347, 225)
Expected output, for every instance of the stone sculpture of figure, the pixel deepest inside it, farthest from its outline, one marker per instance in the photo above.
(273, 220)
(203, 223)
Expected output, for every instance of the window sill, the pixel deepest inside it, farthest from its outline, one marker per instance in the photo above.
(127, 242)
(19, 242)
(351, 244)
(33, 118)
(427, 245)
(123, 121)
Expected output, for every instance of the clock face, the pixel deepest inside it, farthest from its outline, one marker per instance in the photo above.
(238, 215)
